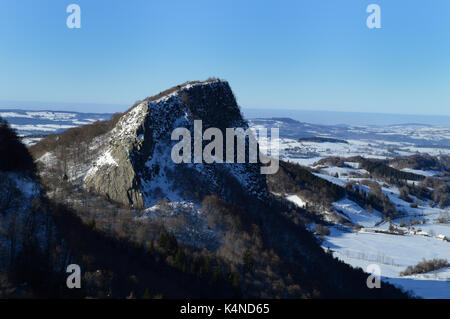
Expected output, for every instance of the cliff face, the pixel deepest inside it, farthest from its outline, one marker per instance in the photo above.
(134, 167)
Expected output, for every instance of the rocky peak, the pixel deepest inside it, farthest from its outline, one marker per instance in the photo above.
(135, 168)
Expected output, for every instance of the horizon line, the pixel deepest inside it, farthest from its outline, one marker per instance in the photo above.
(69, 104)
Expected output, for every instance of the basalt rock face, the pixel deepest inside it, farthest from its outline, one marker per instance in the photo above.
(135, 167)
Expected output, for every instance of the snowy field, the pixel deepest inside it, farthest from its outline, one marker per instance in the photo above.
(308, 153)
(393, 253)
(298, 140)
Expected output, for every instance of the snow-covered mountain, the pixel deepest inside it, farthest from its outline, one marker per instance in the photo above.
(132, 164)
(129, 161)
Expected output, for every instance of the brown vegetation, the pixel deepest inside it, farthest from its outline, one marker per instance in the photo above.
(425, 266)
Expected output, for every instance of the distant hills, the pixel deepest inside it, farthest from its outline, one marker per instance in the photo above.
(349, 118)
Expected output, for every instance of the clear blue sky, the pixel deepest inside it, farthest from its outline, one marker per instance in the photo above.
(310, 54)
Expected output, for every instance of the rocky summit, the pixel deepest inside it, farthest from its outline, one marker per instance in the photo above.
(133, 166)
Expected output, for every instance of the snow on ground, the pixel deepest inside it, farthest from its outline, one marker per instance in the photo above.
(420, 172)
(393, 253)
(352, 164)
(28, 187)
(356, 214)
(428, 150)
(332, 179)
(33, 125)
(425, 287)
(343, 171)
(48, 159)
(296, 200)
(42, 127)
(186, 220)
(304, 161)
(105, 159)
(29, 141)
(369, 142)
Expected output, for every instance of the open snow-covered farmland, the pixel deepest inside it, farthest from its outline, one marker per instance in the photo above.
(393, 253)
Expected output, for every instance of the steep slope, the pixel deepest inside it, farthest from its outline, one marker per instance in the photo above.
(18, 183)
(23, 224)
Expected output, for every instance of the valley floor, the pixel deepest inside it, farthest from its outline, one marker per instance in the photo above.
(393, 253)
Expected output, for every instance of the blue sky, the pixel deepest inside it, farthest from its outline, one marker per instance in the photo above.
(304, 55)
